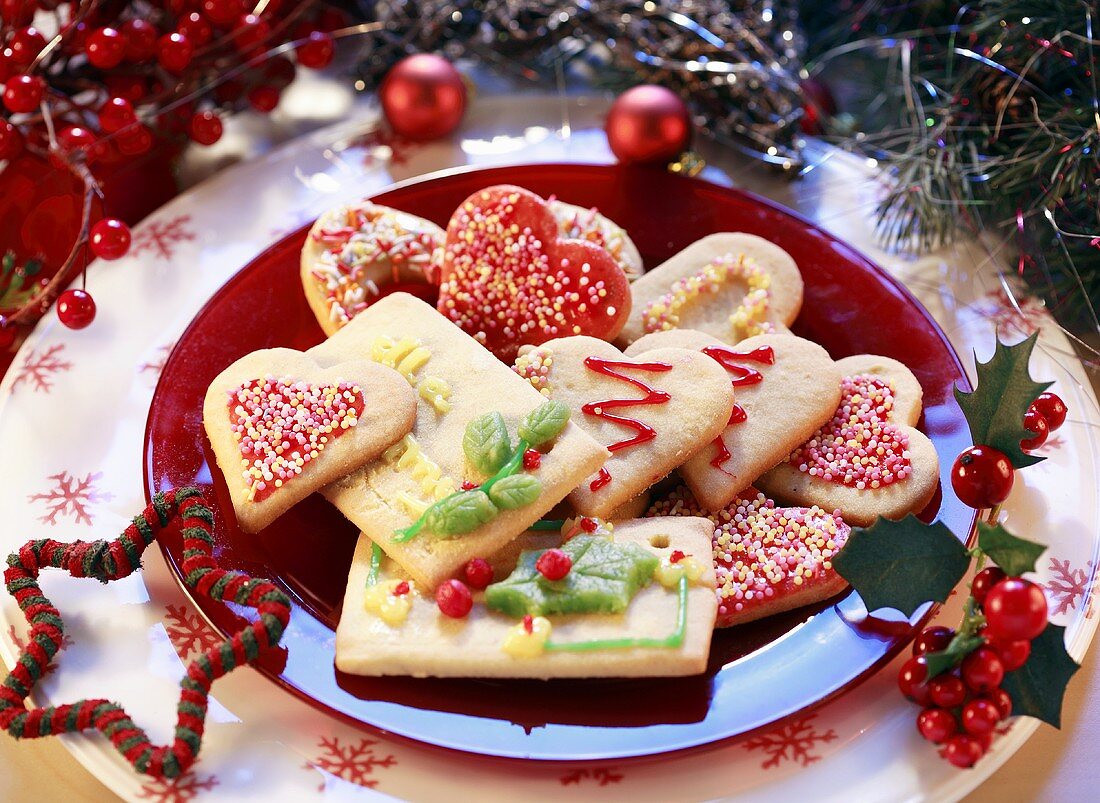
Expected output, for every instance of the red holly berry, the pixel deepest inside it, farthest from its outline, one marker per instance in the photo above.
(23, 93)
(1001, 699)
(936, 725)
(251, 32)
(130, 87)
(1052, 408)
(982, 670)
(963, 750)
(263, 98)
(979, 717)
(205, 128)
(73, 138)
(318, 51)
(454, 599)
(1014, 654)
(985, 580)
(75, 308)
(222, 13)
(911, 679)
(195, 27)
(1015, 609)
(553, 564)
(932, 639)
(105, 48)
(11, 141)
(1034, 422)
(478, 573)
(134, 140)
(25, 45)
(174, 52)
(115, 114)
(947, 691)
(17, 13)
(532, 459)
(140, 37)
(982, 477)
(110, 238)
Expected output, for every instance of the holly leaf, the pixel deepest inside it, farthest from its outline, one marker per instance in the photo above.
(518, 490)
(604, 577)
(960, 647)
(459, 513)
(1004, 390)
(544, 423)
(1014, 555)
(1037, 687)
(486, 443)
(902, 564)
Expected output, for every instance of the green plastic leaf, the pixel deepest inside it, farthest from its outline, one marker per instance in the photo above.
(486, 443)
(995, 408)
(31, 267)
(1037, 687)
(7, 264)
(604, 578)
(960, 647)
(459, 513)
(902, 564)
(518, 490)
(544, 423)
(1014, 555)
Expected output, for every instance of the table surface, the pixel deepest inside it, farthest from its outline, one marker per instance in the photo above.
(1052, 765)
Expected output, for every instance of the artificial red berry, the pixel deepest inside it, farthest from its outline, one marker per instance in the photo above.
(318, 51)
(553, 564)
(11, 141)
(478, 573)
(251, 32)
(982, 670)
(985, 580)
(911, 679)
(263, 98)
(532, 459)
(1015, 610)
(1052, 408)
(947, 691)
(17, 13)
(105, 48)
(589, 525)
(1036, 423)
(134, 140)
(115, 114)
(23, 93)
(1014, 654)
(331, 18)
(110, 238)
(7, 67)
(979, 717)
(279, 72)
(982, 477)
(454, 599)
(1001, 699)
(75, 308)
(25, 45)
(222, 13)
(937, 725)
(140, 37)
(195, 27)
(130, 87)
(963, 750)
(205, 128)
(73, 138)
(932, 639)
(174, 52)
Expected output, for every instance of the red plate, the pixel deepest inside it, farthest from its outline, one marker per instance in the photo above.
(759, 672)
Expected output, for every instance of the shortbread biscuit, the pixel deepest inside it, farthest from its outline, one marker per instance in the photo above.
(868, 460)
(577, 223)
(652, 413)
(784, 388)
(282, 427)
(456, 380)
(729, 285)
(428, 644)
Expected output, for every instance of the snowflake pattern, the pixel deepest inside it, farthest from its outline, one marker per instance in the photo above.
(70, 497)
(178, 790)
(1002, 311)
(349, 761)
(793, 741)
(37, 369)
(157, 365)
(160, 237)
(383, 145)
(1069, 587)
(188, 632)
(20, 644)
(601, 775)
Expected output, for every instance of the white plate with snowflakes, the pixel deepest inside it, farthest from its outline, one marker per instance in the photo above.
(73, 420)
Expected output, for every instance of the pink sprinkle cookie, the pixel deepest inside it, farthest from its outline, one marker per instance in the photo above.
(579, 223)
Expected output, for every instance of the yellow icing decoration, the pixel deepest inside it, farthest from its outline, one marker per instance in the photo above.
(391, 608)
(406, 455)
(521, 644)
(407, 356)
(668, 573)
(435, 391)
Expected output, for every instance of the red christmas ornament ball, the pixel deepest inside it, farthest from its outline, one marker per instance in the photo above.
(75, 308)
(648, 124)
(423, 97)
(110, 238)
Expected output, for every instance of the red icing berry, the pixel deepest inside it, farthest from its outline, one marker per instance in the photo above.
(553, 564)
(1034, 422)
(105, 48)
(23, 93)
(982, 670)
(936, 725)
(140, 38)
(1052, 408)
(263, 98)
(1014, 654)
(980, 717)
(174, 52)
(589, 525)
(11, 141)
(75, 308)
(401, 589)
(984, 581)
(947, 691)
(1001, 699)
(911, 679)
(933, 639)
(110, 238)
(195, 27)
(467, 485)
(478, 573)
(982, 477)
(454, 599)
(676, 556)
(532, 459)
(963, 750)
(318, 51)
(205, 128)
(1015, 610)
(528, 623)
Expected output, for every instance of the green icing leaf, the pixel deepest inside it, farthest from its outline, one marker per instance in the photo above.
(902, 564)
(459, 513)
(995, 408)
(1014, 555)
(604, 578)
(1037, 687)
(960, 647)
(518, 490)
(544, 423)
(486, 443)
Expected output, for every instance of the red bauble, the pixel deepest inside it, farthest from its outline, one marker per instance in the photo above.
(933, 639)
(222, 13)
(174, 52)
(317, 52)
(134, 140)
(130, 87)
(982, 476)
(75, 308)
(423, 97)
(77, 138)
(105, 48)
(982, 670)
(23, 93)
(115, 114)
(205, 128)
(17, 12)
(985, 580)
(937, 725)
(1015, 610)
(110, 238)
(251, 32)
(648, 124)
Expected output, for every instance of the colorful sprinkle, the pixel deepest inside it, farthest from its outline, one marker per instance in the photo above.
(587, 225)
(534, 365)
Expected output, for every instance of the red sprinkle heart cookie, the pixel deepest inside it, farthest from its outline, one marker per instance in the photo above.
(508, 280)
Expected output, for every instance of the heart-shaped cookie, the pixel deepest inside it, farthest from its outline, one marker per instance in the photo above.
(652, 413)
(355, 249)
(729, 285)
(508, 280)
(282, 427)
(577, 223)
(767, 559)
(784, 387)
(868, 460)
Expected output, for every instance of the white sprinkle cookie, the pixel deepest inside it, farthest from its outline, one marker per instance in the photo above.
(868, 460)
(282, 427)
(577, 223)
(784, 388)
(729, 285)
